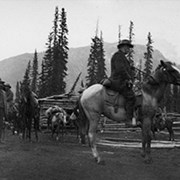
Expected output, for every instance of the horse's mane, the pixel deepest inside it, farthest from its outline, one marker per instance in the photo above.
(155, 79)
(152, 81)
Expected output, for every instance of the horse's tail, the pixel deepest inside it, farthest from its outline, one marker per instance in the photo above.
(83, 120)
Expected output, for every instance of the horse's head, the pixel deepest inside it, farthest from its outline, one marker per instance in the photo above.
(171, 72)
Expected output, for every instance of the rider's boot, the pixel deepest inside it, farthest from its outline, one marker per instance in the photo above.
(130, 121)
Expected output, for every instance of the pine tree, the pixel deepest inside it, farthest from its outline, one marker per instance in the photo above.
(26, 80)
(119, 34)
(96, 63)
(54, 69)
(42, 82)
(17, 97)
(55, 53)
(34, 82)
(63, 49)
(148, 57)
(45, 84)
(131, 53)
(131, 35)
(139, 73)
(60, 53)
(92, 63)
(101, 66)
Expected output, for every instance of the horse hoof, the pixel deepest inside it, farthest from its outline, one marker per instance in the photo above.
(102, 162)
(99, 161)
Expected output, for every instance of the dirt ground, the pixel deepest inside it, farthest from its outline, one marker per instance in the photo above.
(68, 160)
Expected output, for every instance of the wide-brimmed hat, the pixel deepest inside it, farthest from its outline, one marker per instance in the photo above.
(125, 42)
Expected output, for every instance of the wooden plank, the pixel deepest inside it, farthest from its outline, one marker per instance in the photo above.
(138, 144)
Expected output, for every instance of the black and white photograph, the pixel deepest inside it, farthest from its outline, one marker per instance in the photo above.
(89, 90)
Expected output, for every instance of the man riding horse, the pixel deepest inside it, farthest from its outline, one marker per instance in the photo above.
(121, 78)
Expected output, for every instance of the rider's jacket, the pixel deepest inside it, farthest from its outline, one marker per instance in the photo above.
(121, 70)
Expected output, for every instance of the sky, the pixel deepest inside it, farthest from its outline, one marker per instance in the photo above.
(26, 24)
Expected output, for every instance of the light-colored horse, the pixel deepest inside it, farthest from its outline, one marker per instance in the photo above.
(57, 117)
(97, 100)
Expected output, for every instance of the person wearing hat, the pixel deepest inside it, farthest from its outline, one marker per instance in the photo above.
(3, 109)
(121, 77)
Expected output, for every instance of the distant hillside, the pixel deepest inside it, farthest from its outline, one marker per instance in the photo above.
(12, 69)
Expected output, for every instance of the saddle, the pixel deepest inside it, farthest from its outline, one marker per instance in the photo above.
(113, 98)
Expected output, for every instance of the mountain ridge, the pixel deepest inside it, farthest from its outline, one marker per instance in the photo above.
(12, 69)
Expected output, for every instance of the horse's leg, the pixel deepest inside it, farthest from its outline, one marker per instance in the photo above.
(63, 130)
(77, 132)
(52, 130)
(93, 123)
(171, 133)
(57, 131)
(146, 139)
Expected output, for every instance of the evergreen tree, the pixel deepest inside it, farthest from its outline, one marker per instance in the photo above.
(55, 53)
(92, 63)
(101, 66)
(26, 80)
(60, 53)
(34, 83)
(17, 97)
(119, 34)
(148, 57)
(54, 66)
(96, 63)
(42, 82)
(131, 53)
(45, 84)
(139, 73)
(131, 35)
(63, 51)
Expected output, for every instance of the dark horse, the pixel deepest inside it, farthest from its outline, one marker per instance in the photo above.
(29, 114)
(161, 122)
(97, 100)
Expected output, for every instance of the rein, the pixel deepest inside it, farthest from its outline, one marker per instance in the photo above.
(148, 75)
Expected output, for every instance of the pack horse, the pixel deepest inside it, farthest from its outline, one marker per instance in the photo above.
(57, 117)
(96, 100)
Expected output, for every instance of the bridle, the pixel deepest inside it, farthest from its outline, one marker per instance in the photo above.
(148, 75)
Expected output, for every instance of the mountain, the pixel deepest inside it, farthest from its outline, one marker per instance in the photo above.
(13, 68)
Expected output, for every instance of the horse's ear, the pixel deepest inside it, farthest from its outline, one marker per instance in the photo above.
(163, 63)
